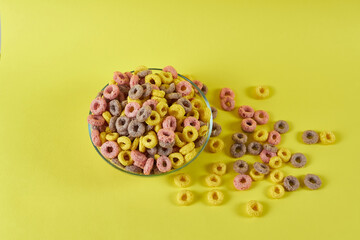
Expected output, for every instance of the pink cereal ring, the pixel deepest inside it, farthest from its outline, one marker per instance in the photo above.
(163, 163)
(128, 74)
(261, 117)
(151, 103)
(248, 125)
(184, 88)
(96, 120)
(198, 84)
(266, 155)
(95, 137)
(121, 78)
(274, 137)
(134, 80)
(138, 158)
(227, 103)
(111, 92)
(169, 123)
(172, 70)
(191, 121)
(226, 92)
(246, 111)
(148, 166)
(98, 106)
(166, 135)
(110, 149)
(131, 109)
(242, 182)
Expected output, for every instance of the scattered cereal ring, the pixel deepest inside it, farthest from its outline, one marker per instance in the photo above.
(262, 91)
(312, 181)
(261, 168)
(242, 182)
(185, 197)
(240, 166)
(281, 126)
(237, 150)
(98, 106)
(310, 137)
(148, 166)
(226, 92)
(184, 88)
(219, 168)
(125, 158)
(115, 107)
(261, 135)
(275, 162)
(182, 180)
(227, 103)
(255, 175)
(110, 149)
(266, 155)
(153, 119)
(213, 180)
(131, 109)
(276, 191)
(327, 137)
(215, 197)
(111, 92)
(254, 208)
(177, 160)
(172, 70)
(163, 163)
(291, 183)
(95, 137)
(239, 137)
(143, 113)
(136, 128)
(298, 160)
(276, 176)
(95, 120)
(248, 125)
(190, 133)
(284, 154)
(216, 129)
(214, 112)
(261, 117)
(254, 148)
(246, 111)
(270, 148)
(274, 138)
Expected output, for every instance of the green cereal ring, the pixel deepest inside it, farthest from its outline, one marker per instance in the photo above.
(312, 181)
(298, 160)
(239, 137)
(261, 168)
(310, 137)
(254, 148)
(216, 130)
(291, 183)
(281, 126)
(238, 150)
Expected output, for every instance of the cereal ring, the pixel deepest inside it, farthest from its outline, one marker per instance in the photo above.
(150, 141)
(110, 149)
(123, 104)
(115, 107)
(248, 125)
(185, 103)
(182, 180)
(198, 105)
(124, 143)
(261, 168)
(157, 93)
(291, 183)
(184, 88)
(215, 197)
(166, 77)
(140, 68)
(237, 150)
(204, 89)
(95, 120)
(312, 181)
(262, 91)
(153, 79)
(239, 137)
(124, 89)
(266, 155)
(281, 126)
(162, 108)
(205, 114)
(147, 90)
(190, 155)
(98, 106)
(276, 191)
(166, 135)
(112, 136)
(254, 208)
(227, 103)
(185, 197)
(275, 162)
(276, 176)
(255, 175)
(327, 137)
(261, 135)
(298, 160)
(214, 112)
(198, 84)
(99, 128)
(203, 130)
(215, 145)
(254, 148)
(163, 163)
(128, 74)
(213, 180)
(173, 96)
(133, 169)
(171, 70)
(103, 137)
(246, 111)
(144, 73)
(136, 92)
(135, 144)
(143, 113)
(240, 166)
(151, 103)
(227, 92)
(187, 148)
(116, 162)
(95, 138)
(139, 158)
(219, 168)
(242, 182)
(176, 110)
(164, 151)
(122, 124)
(125, 158)
(153, 119)
(261, 117)
(216, 130)
(274, 138)
(191, 121)
(166, 145)
(284, 154)
(310, 137)
(120, 78)
(190, 133)
(107, 116)
(179, 139)
(270, 148)
(131, 109)
(169, 123)
(177, 160)
(136, 128)
(148, 166)
(152, 151)
(168, 88)
(111, 92)
(200, 141)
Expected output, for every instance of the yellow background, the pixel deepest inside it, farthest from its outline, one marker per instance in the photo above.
(56, 55)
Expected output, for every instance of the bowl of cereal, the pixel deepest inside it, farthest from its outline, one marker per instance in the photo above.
(150, 121)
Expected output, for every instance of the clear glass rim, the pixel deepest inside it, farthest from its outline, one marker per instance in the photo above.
(210, 124)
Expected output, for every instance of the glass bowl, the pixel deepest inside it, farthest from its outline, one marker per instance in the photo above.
(199, 149)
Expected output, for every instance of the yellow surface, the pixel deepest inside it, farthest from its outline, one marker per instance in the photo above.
(56, 55)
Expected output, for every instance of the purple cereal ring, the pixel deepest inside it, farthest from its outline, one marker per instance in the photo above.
(168, 89)
(134, 80)
(144, 73)
(98, 106)
(131, 109)
(148, 166)
(163, 163)
(246, 111)
(274, 137)
(242, 182)
(136, 92)
(191, 121)
(112, 123)
(261, 117)
(248, 125)
(115, 107)
(266, 155)
(122, 124)
(166, 144)
(95, 138)
(143, 113)
(172, 70)
(95, 120)
(184, 88)
(166, 135)
(226, 92)
(164, 151)
(111, 92)
(138, 158)
(152, 103)
(120, 78)
(110, 149)
(147, 90)
(227, 103)
(169, 123)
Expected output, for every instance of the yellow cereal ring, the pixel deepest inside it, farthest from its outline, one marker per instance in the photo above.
(125, 158)
(149, 141)
(177, 111)
(187, 148)
(327, 137)
(193, 113)
(215, 197)
(112, 136)
(162, 108)
(205, 114)
(134, 100)
(255, 175)
(153, 119)
(158, 93)
(141, 145)
(182, 180)
(276, 191)
(203, 130)
(140, 69)
(159, 99)
(197, 104)
(152, 133)
(190, 133)
(180, 124)
(179, 139)
(124, 143)
(219, 168)
(254, 208)
(157, 127)
(135, 144)
(106, 115)
(107, 130)
(177, 160)
(213, 180)
(275, 162)
(103, 137)
(153, 79)
(215, 145)
(177, 80)
(185, 197)
(262, 91)
(261, 135)
(166, 77)
(276, 176)
(188, 157)
(284, 154)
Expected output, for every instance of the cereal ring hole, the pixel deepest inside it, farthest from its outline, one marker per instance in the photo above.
(261, 115)
(164, 164)
(281, 126)
(152, 81)
(328, 136)
(256, 173)
(268, 155)
(312, 180)
(96, 105)
(109, 149)
(184, 197)
(260, 134)
(261, 90)
(277, 190)
(254, 207)
(219, 168)
(248, 123)
(276, 176)
(309, 136)
(182, 179)
(298, 160)
(291, 183)
(273, 136)
(152, 117)
(131, 109)
(255, 147)
(175, 159)
(216, 144)
(228, 103)
(183, 88)
(243, 180)
(215, 196)
(213, 179)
